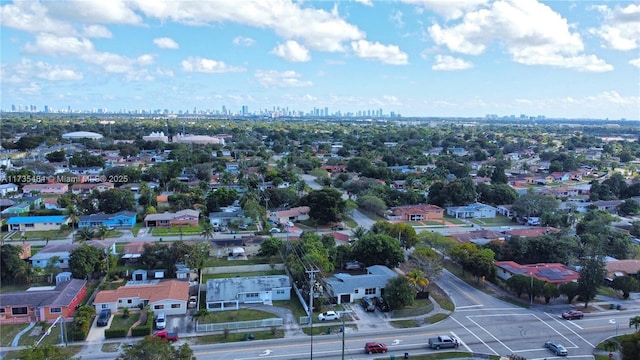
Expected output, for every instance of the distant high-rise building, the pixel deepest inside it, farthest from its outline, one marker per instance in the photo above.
(245, 109)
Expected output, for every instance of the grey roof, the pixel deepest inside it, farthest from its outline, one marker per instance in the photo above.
(62, 295)
(377, 277)
(229, 288)
(64, 249)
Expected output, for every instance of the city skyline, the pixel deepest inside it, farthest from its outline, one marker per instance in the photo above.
(414, 58)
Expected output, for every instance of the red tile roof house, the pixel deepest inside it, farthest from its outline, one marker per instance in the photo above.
(169, 297)
(182, 217)
(53, 188)
(554, 273)
(421, 212)
(531, 232)
(294, 214)
(46, 304)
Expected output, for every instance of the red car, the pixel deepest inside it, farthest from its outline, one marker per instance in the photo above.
(572, 314)
(375, 347)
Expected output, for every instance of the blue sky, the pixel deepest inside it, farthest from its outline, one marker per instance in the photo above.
(468, 58)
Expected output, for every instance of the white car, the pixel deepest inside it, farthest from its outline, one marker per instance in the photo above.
(329, 315)
(274, 230)
(289, 224)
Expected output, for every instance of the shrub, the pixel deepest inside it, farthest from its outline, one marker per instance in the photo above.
(142, 330)
(115, 333)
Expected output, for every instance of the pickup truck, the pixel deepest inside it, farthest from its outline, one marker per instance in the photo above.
(443, 341)
(166, 336)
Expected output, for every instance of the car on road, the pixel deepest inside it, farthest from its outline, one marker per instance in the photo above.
(161, 321)
(166, 336)
(375, 347)
(193, 302)
(353, 265)
(103, 319)
(274, 230)
(556, 348)
(573, 314)
(328, 315)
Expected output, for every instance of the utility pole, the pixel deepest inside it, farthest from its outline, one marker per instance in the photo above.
(342, 313)
(312, 283)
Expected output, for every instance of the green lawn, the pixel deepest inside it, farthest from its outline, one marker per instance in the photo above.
(69, 352)
(119, 322)
(175, 230)
(403, 324)
(239, 336)
(420, 307)
(42, 235)
(136, 228)
(234, 316)
(436, 318)
(8, 332)
(499, 220)
(452, 220)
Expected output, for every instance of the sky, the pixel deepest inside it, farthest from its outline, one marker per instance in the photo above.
(424, 58)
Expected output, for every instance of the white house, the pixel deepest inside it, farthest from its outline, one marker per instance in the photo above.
(476, 211)
(347, 288)
(229, 293)
(169, 297)
(8, 188)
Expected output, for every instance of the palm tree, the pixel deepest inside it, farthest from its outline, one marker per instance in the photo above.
(72, 213)
(200, 314)
(83, 235)
(635, 321)
(359, 232)
(417, 279)
(207, 230)
(101, 232)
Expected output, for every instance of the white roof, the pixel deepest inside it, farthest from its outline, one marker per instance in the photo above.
(82, 135)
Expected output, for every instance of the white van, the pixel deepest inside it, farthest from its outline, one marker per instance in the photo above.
(161, 321)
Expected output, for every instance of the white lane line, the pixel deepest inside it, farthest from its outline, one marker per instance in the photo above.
(573, 345)
(490, 334)
(575, 333)
(474, 335)
(461, 342)
(500, 315)
(464, 308)
(469, 306)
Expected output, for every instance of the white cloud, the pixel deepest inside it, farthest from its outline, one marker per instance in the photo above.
(26, 70)
(96, 31)
(33, 17)
(316, 29)
(365, 2)
(396, 19)
(621, 28)
(202, 65)
(145, 60)
(273, 78)
(95, 11)
(51, 45)
(292, 51)
(56, 72)
(449, 9)
(243, 41)
(388, 54)
(166, 43)
(449, 63)
(532, 33)
(635, 62)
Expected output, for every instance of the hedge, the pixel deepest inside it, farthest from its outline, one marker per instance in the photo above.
(142, 330)
(115, 333)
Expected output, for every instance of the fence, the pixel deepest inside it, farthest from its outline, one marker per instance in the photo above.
(239, 325)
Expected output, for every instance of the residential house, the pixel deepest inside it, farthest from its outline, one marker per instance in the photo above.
(62, 253)
(300, 213)
(531, 232)
(37, 223)
(420, 212)
(52, 188)
(475, 211)
(8, 189)
(88, 188)
(45, 303)
(133, 250)
(346, 288)
(148, 275)
(478, 237)
(229, 293)
(21, 208)
(121, 219)
(505, 210)
(617, 268)
(399, 185)
(51, 204)
(333, 169)
(90, 171)
(182, 217)
(560, 176)
(6, 203)
(553, 273)
(228, 215)
(169, 297)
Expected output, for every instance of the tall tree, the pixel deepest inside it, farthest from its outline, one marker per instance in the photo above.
(114, 200)
(592, 275)
(378, 249)
(85, 260)
(326, 205)
(10, 262)
(399, 293)
(154, 348)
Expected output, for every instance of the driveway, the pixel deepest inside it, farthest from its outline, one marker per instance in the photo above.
(367, 321)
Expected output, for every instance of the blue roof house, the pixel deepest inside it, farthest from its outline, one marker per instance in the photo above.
(37, 223)
(121, 219)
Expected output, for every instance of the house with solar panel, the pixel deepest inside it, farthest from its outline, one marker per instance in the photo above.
(554, 273)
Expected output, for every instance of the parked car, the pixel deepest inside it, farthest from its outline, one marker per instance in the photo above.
(353, 265)
(573, 314)
(274, 230)
(556, 348)
(161, 321)
(289, 223)
(367, 304)
(328, 315)
(193, 302)
(381, 304)
(243, 227)
(103, 318)
(375, 347)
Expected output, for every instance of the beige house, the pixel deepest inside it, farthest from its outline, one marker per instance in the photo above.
(169, 297)
(294, 214)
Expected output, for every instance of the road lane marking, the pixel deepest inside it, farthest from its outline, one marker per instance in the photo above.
(466, 294)
(469, 306)
(568, 321)
(575, 333)
(490, 334)
(461, 342)
(464, 308)
(474, 335)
